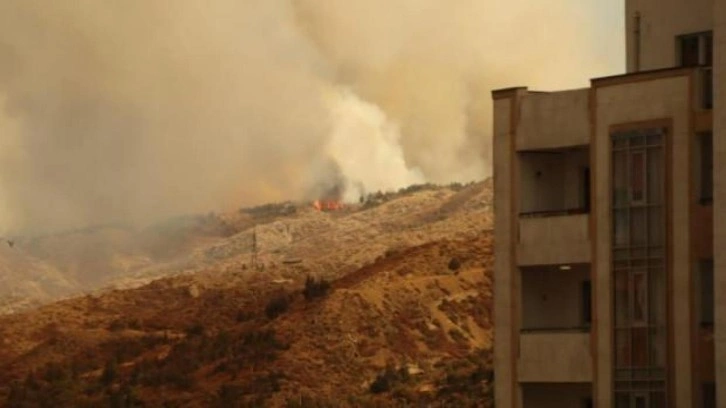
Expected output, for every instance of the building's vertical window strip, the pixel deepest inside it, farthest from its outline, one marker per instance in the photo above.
(639, 268)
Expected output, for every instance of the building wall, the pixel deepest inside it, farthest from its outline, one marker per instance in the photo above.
(542, 127)
(504, 342)
(553, 120)
(629, 103)
(720, 196)
(661, 22)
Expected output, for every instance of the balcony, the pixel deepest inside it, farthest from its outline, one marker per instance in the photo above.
(556, 314)
(555, 356)
(554, 194)
(553, 120)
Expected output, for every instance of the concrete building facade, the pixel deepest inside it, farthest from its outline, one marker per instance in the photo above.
(608, 208)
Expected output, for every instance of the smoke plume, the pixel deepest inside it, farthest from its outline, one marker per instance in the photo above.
(127, 111)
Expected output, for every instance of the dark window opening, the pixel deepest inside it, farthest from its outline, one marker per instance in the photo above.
(586, 189)
(706, 160)
(708, 51)
(709, 395)
(707, 88)
(707, 305)
(695, 49)
(587, 302)
(587, 403)
(689, 49)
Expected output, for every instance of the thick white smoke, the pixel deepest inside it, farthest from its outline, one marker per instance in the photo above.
(138, 109)
(366, 145)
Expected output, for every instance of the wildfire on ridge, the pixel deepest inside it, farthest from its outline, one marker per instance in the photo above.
(328, 205)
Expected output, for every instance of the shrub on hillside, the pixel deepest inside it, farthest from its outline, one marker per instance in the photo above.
(125, 397)
(456, 187)
(124, 324)
(196, 329)
(252, 393)
(454, 264)
(315, 288)
(110, 372)
(277, 306)
(386, 380)
(244, 316)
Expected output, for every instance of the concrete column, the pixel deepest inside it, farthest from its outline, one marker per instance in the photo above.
(506, 306)
(603, 386)
(719, 211)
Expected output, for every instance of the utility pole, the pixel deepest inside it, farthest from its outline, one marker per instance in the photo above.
(253, 262)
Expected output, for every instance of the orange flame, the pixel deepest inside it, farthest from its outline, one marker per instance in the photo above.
(327, 205)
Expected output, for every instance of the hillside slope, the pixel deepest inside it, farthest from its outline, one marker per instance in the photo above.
(397, 308)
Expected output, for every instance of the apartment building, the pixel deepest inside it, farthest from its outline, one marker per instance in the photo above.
(610, 209)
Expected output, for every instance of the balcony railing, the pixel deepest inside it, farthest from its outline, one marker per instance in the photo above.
(554, 213)
(555, 357)
(549, 238)
(563, 329)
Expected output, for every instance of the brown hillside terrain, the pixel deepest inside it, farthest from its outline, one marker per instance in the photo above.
(398, 309)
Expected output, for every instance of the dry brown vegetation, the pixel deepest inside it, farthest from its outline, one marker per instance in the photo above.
(384, 304)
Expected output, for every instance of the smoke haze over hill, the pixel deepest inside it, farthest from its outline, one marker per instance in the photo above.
(132, 110)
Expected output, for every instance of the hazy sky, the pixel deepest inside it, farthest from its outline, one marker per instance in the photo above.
(136, 110)
(604, 21)
(610, 29)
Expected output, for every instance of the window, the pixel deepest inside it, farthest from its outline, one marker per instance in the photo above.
(622, 401)
(639, 267)
(587, 302)
(640, 401)
(587, 403)
(707, 311)
(585, 189)
(695, 49)
(637, 176)
(706, 159)
(640, 301)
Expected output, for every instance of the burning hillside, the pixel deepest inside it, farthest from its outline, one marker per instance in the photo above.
(328, 205)
(387, 301)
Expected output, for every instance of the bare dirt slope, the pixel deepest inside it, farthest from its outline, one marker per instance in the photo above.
(95, 259)
(399, 309)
